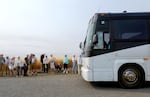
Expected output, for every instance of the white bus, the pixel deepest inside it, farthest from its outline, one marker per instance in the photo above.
(117, 48)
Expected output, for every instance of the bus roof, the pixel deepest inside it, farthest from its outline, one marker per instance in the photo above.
(124, 14)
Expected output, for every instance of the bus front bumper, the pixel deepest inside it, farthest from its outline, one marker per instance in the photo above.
(87, 74)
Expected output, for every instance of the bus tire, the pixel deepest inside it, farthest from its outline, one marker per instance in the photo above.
(131, 76)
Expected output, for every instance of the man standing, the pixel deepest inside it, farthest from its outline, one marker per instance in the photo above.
(41, 59)
(79, 62)
(45, 62)
(26, 65)
(2, 61)
(74, 64)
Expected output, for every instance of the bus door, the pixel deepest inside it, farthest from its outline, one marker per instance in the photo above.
(102, 61)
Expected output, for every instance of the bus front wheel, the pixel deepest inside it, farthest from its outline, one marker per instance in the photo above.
(130, 77)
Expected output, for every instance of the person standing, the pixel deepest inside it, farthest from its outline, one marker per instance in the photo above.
(7, 63)
(33, 63)
(41, 59)
(74, 64)
(2, 61)
(11, 66)
(52, 62)
(25, 68)
(18, 65)
(66, 62)
(45, 62)
(26, 65)
(79, 62)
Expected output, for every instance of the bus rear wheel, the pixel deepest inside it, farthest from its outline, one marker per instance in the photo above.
(131, 77)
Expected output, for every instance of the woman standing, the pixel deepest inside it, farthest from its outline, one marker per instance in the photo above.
(52, 62)
(18, 66)
(11, 66)
(66, 62)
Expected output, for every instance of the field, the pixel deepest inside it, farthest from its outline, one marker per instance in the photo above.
(59, 60)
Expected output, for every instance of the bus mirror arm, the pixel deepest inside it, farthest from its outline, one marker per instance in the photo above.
(95, 39)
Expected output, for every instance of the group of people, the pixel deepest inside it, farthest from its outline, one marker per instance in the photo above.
(16, 66)
(50, 63)
(46, 63)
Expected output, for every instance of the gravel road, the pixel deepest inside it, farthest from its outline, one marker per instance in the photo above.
(64, 86)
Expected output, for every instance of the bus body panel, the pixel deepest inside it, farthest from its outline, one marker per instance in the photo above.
(87, 66)
(105, 67)
(134, 55)
(87, 74)
(124, 61)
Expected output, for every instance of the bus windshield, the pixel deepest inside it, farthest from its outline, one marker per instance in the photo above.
(88, 40)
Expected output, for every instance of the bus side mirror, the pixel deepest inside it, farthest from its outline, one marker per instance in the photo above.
(81, 45)
(95, 39)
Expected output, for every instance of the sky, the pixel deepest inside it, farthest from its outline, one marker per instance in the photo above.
(53, 26)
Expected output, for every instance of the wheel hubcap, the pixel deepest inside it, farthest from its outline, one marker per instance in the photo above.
(130, 76)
